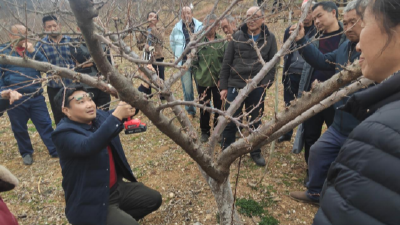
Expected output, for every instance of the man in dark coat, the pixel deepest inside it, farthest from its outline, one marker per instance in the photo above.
(293, 66)
(93, 164)
(32, 105)
(326, 149)
(240, 64)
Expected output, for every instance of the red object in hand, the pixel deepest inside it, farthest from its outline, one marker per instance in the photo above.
(134, 126)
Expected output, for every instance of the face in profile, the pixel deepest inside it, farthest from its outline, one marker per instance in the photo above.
(227, 27)
(379, 54)
(323, 19)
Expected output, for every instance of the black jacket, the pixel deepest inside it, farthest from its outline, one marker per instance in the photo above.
(363, 183)
(85, 165)
(241, 61)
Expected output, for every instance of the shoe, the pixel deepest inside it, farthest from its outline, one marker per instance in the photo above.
(284, 138)
(204, 138)
(27, 159)
(301, 196)
(258, 159)
(306, 179)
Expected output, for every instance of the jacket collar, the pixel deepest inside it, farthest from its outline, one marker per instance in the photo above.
(365, 103)
(264, 29)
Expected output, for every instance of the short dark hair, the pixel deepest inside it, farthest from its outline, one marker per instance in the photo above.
(148, 14)
(387, 11)
(48, 18)
(69, 90)
(328, 6)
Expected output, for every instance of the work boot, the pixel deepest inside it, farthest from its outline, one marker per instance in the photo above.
(27, 159)
(204, 138)
(301, 196)
(284, 138)
(258, 159)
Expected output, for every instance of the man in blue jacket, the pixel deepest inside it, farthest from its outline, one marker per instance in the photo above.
(293, 66)
(179, 39)
(32, 105)
(326, 149)
(93, 163)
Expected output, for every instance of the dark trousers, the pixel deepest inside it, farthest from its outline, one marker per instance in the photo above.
(313, 128)
(206, 93)
(160, 71)
(257, 95)
(131, 201)
(101, 98)
(57, 113)
(35, 109)
(322, 154)
(291, 84)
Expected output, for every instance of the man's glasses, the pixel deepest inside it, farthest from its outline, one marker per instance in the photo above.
(88, 96)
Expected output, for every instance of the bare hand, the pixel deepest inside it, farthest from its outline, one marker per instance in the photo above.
(123, 111)
(301, 33)
(223, 94)
(87, 65)
(11, 95)
(146, 47)
(28, 47)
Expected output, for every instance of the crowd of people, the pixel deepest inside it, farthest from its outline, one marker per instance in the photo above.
(351, 167)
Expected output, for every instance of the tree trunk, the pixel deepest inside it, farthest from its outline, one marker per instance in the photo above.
(225, 201)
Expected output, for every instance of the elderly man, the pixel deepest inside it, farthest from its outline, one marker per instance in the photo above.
(293, 67)
(241, 63)
(326, 149)
(58, 53)
(179, 39)
(206, 70)
(228, 25)
(32, 105)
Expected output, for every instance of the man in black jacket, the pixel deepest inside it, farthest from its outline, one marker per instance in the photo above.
(326, 149)
(240, 64)
(93, 164)
(293, 67)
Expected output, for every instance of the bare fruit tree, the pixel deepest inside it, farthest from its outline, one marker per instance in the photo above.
(115, 22)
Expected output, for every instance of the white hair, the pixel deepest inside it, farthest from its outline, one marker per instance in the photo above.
(350, 6)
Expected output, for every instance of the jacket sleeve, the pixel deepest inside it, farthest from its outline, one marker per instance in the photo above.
(274, 49)
(72, 144)
(141, 41)
(172, 41)
(38, 56)
(313, 56)
(226, 65)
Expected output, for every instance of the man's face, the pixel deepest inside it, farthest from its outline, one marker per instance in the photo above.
(152, 18)
(227, 27)
(254, 21)
(352, 25)
(213, 29)
(187, 16)
(323, 19)
(81, 108)
(308, 20)
(52, 26)
(16, 31)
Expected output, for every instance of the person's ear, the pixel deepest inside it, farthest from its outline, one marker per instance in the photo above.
(65, 110)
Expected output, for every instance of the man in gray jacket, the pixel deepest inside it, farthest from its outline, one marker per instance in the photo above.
(241, 63)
